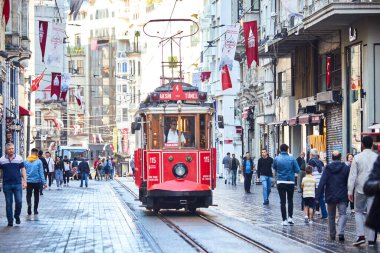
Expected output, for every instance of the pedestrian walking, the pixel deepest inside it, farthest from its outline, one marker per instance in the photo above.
(226, 165)
(84, 170)
(35, 178)
(349, 158)
(234, 165)
(74, 167)
(67, 171)
(361, 167)
(132, 165)
(45, 167)
(264, 172)
(333, 184)
(50, 163)
(113, 168)
(372, 188)
(302, 164)
(58, 172)
(107, 168)
(318, 167)
(285, 166)
(14, 181)
(247, 167)
(308, 185)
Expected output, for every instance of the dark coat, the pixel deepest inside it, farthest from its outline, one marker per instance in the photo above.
(334, 183)
(371, 188)
(84, 167)
(44, 164)
(243, 164)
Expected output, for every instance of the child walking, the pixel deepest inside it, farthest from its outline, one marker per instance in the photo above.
(308, 186)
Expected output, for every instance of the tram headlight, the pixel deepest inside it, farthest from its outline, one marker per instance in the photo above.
(180, 170)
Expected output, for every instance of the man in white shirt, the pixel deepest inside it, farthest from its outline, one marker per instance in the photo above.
(361, 167)
(172, 135)
(50, 162)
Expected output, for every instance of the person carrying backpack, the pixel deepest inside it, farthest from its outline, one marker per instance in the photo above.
(107, 168)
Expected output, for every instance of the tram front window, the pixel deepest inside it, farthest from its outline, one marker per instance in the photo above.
(179, 131)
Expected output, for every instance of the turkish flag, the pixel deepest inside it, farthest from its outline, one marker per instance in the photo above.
(78, 97)
(251, 42)
(36, 82)
(205, 76)
(226, 79)
(6, 10)
(55, 84)
(42, 33)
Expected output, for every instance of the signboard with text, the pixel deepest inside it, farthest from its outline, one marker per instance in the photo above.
(179, 94)
(153, 159)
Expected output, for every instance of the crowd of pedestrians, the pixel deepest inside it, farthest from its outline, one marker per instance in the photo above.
(354, 182)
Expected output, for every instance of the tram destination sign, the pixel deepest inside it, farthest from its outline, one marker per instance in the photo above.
(179, 94)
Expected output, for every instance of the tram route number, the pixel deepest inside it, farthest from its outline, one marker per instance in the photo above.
(206, 159)
(153, 162)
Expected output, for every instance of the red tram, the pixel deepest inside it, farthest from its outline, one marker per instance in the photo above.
(175, 163)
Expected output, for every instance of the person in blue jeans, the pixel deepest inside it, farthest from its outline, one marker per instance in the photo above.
(264, 172)
(247, 167)
(318, 168)
(84, 169)
(14, 180)
(234, 165)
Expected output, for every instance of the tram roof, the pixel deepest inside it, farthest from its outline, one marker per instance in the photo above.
(174, 108)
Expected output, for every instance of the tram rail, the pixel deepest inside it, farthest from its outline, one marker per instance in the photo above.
(191, 241)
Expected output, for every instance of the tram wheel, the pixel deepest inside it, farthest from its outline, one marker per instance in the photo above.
(156, 210)
(192, 209)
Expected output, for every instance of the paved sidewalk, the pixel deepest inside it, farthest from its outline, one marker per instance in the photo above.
(232, 201)
(73, 220)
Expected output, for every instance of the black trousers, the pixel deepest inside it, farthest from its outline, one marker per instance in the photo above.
(66, 177)
(286, 191)
(29, 189)
(51, 178)
(247, 181)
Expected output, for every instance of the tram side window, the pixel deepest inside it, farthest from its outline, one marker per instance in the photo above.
(180, 130)
(154, 124)
(202, 128)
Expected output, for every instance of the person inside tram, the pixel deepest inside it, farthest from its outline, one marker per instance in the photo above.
(171, 135)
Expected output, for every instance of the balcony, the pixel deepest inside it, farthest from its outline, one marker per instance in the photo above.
(335, 14)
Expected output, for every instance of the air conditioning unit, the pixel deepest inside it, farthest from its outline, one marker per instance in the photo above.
(329, 97)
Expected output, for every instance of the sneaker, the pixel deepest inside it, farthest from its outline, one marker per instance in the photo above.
(332, 238)
(352, 212)
(266, 203)
(317, 213)
(359, 241)
(306, 220)
(341, 238)
(29, 210)
(225, 181)
(290, 221)
(284, 223)
(10, 224)
(311, 221)
(371, 243)
(18, 221)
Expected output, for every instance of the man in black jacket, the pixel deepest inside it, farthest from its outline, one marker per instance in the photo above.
(334, 184)
(84, 170)
(45, 167)
(264, 172)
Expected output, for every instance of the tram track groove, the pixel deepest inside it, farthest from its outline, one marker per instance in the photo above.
(192, 242)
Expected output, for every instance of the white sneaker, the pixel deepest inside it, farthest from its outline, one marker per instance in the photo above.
(290, 221)
(311, 221)
(284, 223)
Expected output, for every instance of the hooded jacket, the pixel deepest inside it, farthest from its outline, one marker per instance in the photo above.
(34, 170)
(371, 188)
(334, 182)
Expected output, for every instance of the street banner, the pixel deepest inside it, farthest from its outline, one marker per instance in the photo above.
(65, 85)
(75, 7)
(328, 72)
(205, 76)
(229, 43)
(78, 97)
(114, 139)
(36, 82)
(125, 140)
(226, 79)
(251, 42)
(55, 84)
(6, 10)
(43, 28)
(196, 80)
(55, 47)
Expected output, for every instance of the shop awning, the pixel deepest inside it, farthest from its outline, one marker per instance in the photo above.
(292, 121)
(315, 118)
(24, 112)
(304, 119)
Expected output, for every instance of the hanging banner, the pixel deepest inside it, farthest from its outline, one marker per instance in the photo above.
(114, 139)
(205, 76)
(125, 140)
(328, 73)
(75, 7)
(229, 44)
(226, 79)
(6, 10)
(43, 28)
(65, 85)
(55, 84)
(251, 42)
(55, 47)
